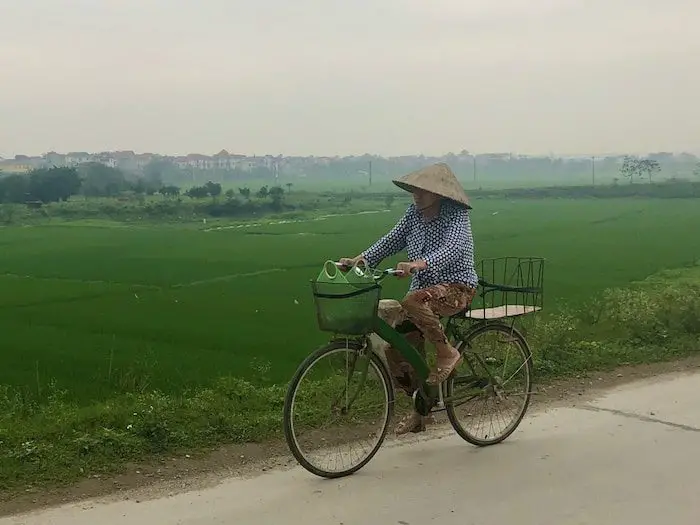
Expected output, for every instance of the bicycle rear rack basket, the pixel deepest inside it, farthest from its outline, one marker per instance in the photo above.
(508, 287)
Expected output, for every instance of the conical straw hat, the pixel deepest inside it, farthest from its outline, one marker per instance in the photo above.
(438, 179)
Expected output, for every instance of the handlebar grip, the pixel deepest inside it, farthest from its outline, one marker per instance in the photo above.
(394, 271)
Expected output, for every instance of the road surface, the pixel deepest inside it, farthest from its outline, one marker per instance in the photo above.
(629, 457)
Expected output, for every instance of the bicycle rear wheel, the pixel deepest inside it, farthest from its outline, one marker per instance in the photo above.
(337, 408)
(495, 375)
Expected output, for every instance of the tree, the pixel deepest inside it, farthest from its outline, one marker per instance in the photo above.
(696, 170)
(630, 168)
(650, 167)
(169, 191)
(41, 185)
(389, 200)
(213, 189)
(245, 193)
(197, 192)
(289, 187)
(210, 189)
(53, 184)
(14, 189)
(229, 194)
(262, 192)
(102, 181)
(276, 193)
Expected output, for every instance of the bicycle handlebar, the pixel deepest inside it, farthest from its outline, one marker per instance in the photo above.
(377, 277)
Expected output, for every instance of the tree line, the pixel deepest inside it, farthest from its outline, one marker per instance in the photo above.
(55, 184)
(45, 185)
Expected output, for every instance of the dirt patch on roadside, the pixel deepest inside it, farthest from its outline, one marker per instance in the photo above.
(174, 474)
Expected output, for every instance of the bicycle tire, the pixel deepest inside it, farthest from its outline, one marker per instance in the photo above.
(307, 364)
(449, 388)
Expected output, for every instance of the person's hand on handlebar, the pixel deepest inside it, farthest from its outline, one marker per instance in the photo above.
(409, 268)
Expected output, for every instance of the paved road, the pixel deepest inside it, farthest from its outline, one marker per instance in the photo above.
(631, 457)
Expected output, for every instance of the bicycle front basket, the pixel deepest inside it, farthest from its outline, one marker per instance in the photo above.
(344, 306)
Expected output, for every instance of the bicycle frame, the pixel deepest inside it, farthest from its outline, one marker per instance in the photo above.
(406, 349)
(420, 366)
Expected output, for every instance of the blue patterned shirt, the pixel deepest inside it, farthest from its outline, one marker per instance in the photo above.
(444, 242)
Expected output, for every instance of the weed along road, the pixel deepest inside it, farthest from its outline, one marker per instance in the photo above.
(629, 456)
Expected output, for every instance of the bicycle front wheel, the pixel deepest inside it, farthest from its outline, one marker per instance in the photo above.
(337, 409)
(489, 393)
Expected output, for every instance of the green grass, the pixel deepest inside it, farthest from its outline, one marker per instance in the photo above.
(104, 309)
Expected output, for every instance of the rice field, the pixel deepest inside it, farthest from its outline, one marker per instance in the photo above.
(100, 307)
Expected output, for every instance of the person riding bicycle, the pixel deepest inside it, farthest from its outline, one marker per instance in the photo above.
(436, 233)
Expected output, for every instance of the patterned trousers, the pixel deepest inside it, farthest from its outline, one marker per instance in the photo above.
(423, 308)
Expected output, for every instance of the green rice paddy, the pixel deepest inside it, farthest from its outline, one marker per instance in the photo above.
(100, 308)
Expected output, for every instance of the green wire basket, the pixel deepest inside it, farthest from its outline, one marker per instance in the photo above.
(346, 302)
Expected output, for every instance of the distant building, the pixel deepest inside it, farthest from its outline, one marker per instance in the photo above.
(21, 164)
(55, 159)
(76, 158)
(14, 166)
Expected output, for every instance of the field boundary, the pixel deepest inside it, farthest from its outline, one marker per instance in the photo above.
(80, 281)
(149, 287)
(227, 277)
(291, 221)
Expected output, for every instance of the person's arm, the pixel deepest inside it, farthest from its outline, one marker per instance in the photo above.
(391, 244)
(458, 238)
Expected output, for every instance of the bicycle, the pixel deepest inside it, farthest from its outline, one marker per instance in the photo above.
(354, 322)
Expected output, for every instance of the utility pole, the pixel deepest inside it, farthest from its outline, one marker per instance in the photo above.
(593, 170)
(370, 173)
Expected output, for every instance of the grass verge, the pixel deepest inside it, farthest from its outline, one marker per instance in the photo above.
(57, 442)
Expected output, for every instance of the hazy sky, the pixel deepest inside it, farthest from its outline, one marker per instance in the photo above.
(330, 77)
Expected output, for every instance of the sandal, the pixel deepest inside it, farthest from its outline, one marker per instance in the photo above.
(412, 422)
(443, 370)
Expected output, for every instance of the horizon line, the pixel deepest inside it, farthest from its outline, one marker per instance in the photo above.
(550, 154)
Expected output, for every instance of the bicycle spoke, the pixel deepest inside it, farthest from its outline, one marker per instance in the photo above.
(490, 416)
(337, 410)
